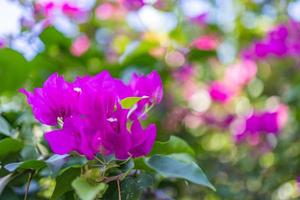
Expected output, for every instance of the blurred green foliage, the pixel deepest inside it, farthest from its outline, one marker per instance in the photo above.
(236, 171)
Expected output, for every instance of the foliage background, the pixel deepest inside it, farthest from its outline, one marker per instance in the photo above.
(237, 170)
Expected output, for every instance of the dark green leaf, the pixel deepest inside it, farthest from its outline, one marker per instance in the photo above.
(9, 145)
(64, 180)
(170, 167)
(86, 191)
(30, 164)
(10, 63)
(131, 187)
(198, 55)
(173, 145)
(51, 36)
(139, 163)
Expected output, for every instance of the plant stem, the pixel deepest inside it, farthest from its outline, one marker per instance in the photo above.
(28, 184)
(119, 189)
(113, 178)
(100, 161)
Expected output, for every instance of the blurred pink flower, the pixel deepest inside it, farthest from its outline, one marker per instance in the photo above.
(132, 4)
(52, 9)
(235, 78)
(80, 45)
(200, 19)
(2, 43)
(206, 43)
(219, 92)
(105, 11)
(72, 10)
(241, 73)
(214, 120)
(184, 73)
(282, 41)
(111, 11)
(253, 127)
(45, 8)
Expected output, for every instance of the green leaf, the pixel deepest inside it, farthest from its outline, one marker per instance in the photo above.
(129, 102)
(51, 36)
(127, 167)
(30, 164)
(85, 190)
(4, 127)
(4, 181)
(173, 145)
(64, 180)
(140, 55)
(8, 146)
(55, 162)
(139, 163)
(171, 167)
(14, 70)
(198, 55)
(131, 187)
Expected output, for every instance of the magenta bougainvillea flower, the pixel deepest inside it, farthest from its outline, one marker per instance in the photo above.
(56, 100)
(146, 87)
(280, 42)
(92, 116)
(254, 127)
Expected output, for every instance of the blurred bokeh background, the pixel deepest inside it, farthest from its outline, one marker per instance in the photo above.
(231, 74)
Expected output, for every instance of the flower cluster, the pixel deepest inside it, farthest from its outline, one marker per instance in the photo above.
(253, 127)
(282, 41)
(92, 115)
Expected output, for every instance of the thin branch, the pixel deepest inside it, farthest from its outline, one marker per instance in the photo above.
(100, 161)
(125, 161)
(119, 189)
(112, 178)
(28, 184)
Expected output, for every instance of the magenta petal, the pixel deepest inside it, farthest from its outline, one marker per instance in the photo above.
(122, 144)
(60, 141)
(150, 86)
(269, 122)
(57, 99)
(40, 109)
(142, 140)
(117, 143)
